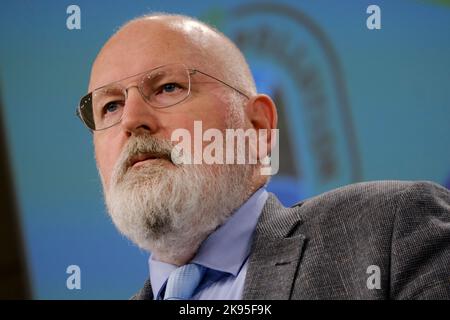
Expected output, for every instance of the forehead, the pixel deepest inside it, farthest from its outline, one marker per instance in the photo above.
(143, 46)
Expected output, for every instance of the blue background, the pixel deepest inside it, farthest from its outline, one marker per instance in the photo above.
(397, 82)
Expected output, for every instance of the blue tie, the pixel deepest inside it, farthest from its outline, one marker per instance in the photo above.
(183, 281)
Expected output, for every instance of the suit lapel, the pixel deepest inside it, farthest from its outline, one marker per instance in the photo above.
(145, 293)
(276, 253)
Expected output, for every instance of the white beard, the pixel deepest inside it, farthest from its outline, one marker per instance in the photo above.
(170, 210)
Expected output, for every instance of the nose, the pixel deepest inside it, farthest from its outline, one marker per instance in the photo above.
(138, 117)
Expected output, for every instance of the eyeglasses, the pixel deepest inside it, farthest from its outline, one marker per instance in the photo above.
(161, 87)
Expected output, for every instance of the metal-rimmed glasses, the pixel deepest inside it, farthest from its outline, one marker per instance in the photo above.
(161, 87)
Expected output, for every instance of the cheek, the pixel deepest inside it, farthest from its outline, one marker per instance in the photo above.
(106, 156)
(211, 111)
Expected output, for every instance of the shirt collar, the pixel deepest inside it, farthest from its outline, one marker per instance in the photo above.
(226, 249)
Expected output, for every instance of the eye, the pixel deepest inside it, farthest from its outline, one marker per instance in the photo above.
(170, 88)
(111, 107)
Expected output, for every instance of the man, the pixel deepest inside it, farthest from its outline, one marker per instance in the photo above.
(213, 230)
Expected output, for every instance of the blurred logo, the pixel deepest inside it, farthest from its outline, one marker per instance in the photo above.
(295, 63)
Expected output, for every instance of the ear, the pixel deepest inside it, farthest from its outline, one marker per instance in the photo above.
(261, 112)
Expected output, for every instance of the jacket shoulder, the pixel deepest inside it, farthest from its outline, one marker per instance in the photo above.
(402, 227)
(370, 196)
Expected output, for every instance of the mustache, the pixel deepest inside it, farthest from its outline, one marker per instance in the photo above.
(139, 147)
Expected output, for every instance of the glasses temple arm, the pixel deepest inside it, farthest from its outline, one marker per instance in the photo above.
(221, 81)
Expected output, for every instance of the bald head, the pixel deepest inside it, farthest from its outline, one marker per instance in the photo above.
(164, 39)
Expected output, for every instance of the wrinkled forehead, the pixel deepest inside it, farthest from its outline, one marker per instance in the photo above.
(145, 45)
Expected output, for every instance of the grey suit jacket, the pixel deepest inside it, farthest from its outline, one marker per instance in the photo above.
(375, 240)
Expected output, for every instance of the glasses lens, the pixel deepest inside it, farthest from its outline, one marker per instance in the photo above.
(103, 107)
(85, 111)
(107, 104)
(166, 86)
(162, 87)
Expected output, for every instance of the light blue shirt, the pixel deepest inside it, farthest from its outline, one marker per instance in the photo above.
(225, 253)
